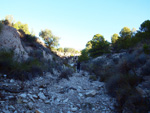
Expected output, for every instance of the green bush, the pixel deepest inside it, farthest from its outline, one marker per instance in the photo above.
(19, 70)
(6, 61)
(146, 49)
(122, 87)
(1, 27)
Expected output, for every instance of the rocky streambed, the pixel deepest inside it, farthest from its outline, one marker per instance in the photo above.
(47, 95)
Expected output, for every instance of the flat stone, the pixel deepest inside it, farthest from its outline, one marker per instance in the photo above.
(80, 94)
(11, 107)
(66, 100)
(38, 111)
(34, 96)
(12, 80)
(91, 93)
(24, 95)
(24, 101)
(41, 96)
(74, 109)
(30, 105)
(47, 102)
(30, 96)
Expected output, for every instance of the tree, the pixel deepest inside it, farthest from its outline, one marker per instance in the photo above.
(145, 26)
(60, 49)
(10, 20)
(97, 38)
(50, 40)
(18, 25)
(125, 32)
(114, 38)
(133, 32)
(99, 46)
(88, 45)
(84, 55)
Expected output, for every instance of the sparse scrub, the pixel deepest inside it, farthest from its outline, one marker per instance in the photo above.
(66, 73)
(37, 54)
(142, 58)
(146, 68)
(146, 49)
(122, 87)
(1, 27)
(93, 77)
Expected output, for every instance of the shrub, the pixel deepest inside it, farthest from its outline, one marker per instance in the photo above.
(1, 27)
(146, 68)
(142, 58)
(93, 77)
(66, 73)
(37, 54)
(19, 70)
(122, 87)
(136, 104)
(146, 49)
(6, 61)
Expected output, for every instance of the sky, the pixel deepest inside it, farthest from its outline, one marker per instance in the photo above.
(77, 21)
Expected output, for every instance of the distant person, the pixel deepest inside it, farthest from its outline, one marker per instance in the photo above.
(78, 67)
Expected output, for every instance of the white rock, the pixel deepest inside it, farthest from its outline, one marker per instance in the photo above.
(41, 96)
(30, 96)
(5, 75)
(80, 94)
(34, 96)
(38, 111)
(24, 101)
(74, 109)
(30, 105)
(24, 95)
(66, 100)
(91, 93)
(11, 107)
(47, 101)
(12, 80)
(6, 111)
(40, 89)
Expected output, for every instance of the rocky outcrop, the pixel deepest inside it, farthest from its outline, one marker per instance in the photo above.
(10, 40)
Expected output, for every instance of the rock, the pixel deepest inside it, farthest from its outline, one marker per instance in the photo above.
(12, 108)
(30, 96)
(74, 109)
(91, 93)
(6, 111)
(30, 105)
(80, 94)
(24, 101)
(66, 100)
(12, 80)
(15, 112)
(38, 111)
(47, 101)
(40, 89)
(24, 95)
(34, 96)
(41, 96)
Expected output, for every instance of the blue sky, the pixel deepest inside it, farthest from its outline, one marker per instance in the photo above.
(77, 21)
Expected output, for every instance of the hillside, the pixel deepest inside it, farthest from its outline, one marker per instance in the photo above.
(35, 79)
